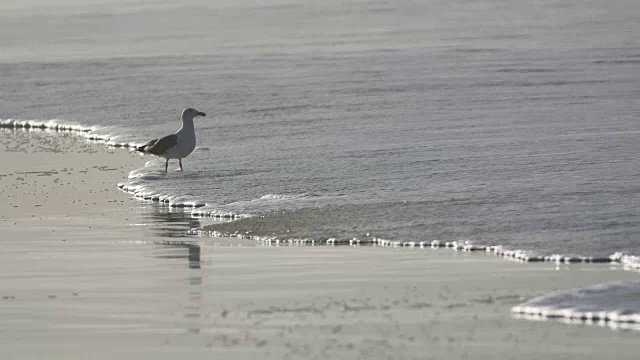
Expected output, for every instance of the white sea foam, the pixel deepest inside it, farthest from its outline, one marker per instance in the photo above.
(280, 197)
(210, 211)
(616, 304)
(143, 192)
(91, 133)
(269, 199)
(52, 124)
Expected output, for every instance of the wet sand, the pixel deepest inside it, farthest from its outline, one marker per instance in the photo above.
(87, 272)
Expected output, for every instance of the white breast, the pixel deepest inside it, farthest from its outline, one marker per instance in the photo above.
(184, 147)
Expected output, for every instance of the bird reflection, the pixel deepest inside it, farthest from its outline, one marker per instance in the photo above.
(169, 222)
(174, 226)
(192, 255)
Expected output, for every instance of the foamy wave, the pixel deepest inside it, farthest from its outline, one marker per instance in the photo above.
(280, 197)
(211, 211)
(616, 305)
(140, 186)
(628, 262)
(142, 174)
(55, 125)
(141, 191)
(268, 199)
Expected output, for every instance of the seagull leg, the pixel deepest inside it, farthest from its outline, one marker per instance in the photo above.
(180, 160)
(166, 165)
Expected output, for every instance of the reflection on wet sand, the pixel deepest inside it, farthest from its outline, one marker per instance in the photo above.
(169, 222)
(174, 224)
(175, 248)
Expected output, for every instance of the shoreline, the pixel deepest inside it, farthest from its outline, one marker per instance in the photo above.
(629, 262)
(199, 209)
(83, 268)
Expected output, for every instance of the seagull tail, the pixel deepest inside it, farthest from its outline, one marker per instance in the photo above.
(143, 148)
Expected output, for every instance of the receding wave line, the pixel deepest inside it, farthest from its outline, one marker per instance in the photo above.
(88, 132)
(630, 262)
(52, 124)
(198, 208)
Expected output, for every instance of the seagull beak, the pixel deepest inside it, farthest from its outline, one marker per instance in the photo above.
(200, 113)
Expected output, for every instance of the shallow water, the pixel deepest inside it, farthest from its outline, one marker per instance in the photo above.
(501, 123)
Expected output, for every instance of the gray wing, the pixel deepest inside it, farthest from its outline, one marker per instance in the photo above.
(143, 148)
(161, 145)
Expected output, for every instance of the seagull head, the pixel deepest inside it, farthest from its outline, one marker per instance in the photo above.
(190, 113)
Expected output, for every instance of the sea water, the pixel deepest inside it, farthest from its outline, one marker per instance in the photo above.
(510, 123)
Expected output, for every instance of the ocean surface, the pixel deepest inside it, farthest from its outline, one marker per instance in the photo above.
(498, 122)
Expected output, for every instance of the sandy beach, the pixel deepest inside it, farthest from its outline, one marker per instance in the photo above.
(86, 272)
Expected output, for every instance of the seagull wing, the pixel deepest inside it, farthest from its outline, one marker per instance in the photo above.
(159, 146)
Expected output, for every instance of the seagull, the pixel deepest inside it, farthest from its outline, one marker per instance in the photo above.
(178, 145)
